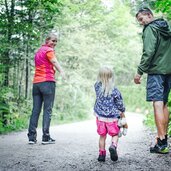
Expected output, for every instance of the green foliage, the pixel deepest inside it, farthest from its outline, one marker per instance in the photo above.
(103, 42)
(149, 120)
(13, 112)
(169, 105)
(72, 104)
(4, 106)
(22, 24)
(90, 35)
(158, 6)
(16, 122)
(135, 99)
(164, 7)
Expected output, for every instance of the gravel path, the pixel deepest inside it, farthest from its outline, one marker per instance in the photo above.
(76, 149)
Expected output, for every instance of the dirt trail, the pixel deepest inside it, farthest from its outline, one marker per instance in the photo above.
(76, 149)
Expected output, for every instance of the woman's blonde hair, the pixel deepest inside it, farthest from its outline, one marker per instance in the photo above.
(50, 36)
(106, 77)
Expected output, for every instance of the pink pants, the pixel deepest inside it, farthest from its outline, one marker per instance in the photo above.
(110, 128)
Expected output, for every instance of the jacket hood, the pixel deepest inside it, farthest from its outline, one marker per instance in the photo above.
(162, 26)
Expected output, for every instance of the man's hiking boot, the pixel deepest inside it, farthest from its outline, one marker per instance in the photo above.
(166, 140)
(113, 153)
(161, 147)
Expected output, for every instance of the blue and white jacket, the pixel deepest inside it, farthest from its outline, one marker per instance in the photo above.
(109, 106)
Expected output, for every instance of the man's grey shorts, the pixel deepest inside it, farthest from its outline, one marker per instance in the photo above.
(158, 87)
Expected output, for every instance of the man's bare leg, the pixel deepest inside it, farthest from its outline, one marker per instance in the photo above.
(166, 115)
(160, 118)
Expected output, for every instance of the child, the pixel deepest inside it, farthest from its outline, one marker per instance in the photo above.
(108, 108)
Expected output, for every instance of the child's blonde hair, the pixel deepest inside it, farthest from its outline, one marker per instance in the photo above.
(106, 77)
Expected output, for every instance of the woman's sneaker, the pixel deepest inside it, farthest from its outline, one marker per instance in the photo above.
(113, 153)
(48, 140)
(32, 142)
(32, 138)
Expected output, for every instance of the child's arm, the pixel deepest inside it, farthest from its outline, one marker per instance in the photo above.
(119, 101)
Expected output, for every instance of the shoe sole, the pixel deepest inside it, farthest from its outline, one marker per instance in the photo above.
(45, 143)
(101, 160)
(31, 142)
(164, 151)
(113, 154)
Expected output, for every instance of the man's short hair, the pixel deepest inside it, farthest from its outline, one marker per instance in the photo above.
(144, 10)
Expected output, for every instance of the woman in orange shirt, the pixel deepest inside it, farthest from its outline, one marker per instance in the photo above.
(44, 89)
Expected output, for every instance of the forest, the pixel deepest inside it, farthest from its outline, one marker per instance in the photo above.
(91, 33)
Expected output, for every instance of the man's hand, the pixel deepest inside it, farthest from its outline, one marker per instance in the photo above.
(137, 79)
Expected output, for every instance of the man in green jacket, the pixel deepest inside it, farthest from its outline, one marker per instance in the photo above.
(156, 62)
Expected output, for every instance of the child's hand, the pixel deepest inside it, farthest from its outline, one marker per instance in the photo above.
(125, 126)
(122, 115)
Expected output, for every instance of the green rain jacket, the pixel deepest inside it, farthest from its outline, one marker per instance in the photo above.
(156, 57)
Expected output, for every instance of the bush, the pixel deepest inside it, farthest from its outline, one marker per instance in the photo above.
(13, 111)
(169, 104)
(135, 99)
(149, 120)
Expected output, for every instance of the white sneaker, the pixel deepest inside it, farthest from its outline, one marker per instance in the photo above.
(32, 142)
(48, 141)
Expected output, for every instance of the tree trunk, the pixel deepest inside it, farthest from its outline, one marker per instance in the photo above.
(27, 73)
(10, 24)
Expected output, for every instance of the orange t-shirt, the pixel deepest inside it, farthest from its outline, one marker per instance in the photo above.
(50, 55)
(44, 69)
